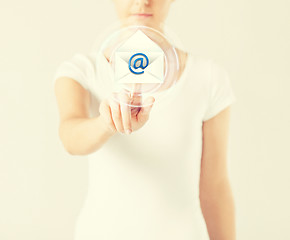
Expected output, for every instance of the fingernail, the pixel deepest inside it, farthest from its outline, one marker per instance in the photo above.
(128, 131)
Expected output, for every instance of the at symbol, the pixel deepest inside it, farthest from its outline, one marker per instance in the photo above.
(141, 65)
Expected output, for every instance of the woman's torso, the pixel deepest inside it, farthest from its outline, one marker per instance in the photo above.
(145, 185)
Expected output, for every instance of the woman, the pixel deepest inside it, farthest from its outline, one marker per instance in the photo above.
(167, 179)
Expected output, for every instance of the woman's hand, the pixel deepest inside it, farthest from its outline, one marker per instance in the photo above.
(123, 118)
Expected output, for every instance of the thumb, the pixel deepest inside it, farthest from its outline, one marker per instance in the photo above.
(149, 103)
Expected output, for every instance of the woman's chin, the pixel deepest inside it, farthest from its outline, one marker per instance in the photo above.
(140, 20)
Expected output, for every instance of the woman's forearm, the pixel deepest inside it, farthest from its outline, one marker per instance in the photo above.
(82, 136)
(217, 204)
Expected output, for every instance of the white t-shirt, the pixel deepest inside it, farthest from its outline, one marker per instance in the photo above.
(145, 185)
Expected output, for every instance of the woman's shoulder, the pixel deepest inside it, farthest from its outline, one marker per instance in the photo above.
(78, 66)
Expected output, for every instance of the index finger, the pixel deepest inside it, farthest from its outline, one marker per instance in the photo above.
(126, 112)
(135, 94)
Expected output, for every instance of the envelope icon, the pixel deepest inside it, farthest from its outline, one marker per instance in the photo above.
(139, 60)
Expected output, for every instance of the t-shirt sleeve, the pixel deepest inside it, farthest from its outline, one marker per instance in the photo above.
(79, 67)
(221, 93)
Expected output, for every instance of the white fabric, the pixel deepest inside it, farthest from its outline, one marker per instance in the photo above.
(145, 185)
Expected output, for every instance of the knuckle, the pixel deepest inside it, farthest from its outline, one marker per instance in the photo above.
(117, 117)
(124, 96)
(128, 127)
(103, 106)
(120, 130)
(115, 107)
(113, 127)
(117, 122)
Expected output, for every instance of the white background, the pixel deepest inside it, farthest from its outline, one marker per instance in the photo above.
(42, 187)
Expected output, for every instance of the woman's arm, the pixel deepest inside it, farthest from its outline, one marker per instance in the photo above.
(80, 134)
(216, 197)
